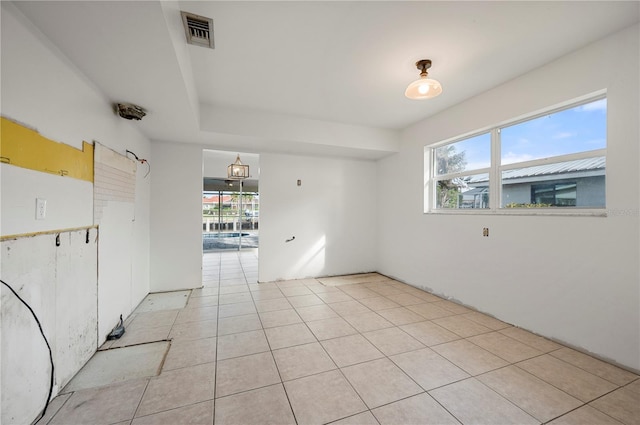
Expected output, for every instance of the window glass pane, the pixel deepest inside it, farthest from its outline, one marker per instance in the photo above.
(463, 192)
(470, 154)
(579, 183)
(554, 194)
(579, 129)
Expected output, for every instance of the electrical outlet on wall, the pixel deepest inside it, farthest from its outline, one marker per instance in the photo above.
(41, 208)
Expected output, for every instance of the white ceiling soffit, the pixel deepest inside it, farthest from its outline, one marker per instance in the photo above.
(310, 77)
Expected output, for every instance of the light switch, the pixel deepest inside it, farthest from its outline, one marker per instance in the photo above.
(41, 208)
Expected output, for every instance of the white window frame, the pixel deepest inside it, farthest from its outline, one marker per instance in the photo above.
(496, 169)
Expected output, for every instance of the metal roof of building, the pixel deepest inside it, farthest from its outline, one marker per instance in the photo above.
(579, 165)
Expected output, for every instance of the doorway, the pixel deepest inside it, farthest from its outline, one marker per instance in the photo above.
(230, 208)
(230, 220)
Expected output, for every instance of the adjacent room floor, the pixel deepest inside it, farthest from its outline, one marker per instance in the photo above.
(360, 349)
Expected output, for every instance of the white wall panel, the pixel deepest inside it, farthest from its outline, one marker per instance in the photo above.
(176, 221)
(332, 215)
(69, 201)
(60, 284)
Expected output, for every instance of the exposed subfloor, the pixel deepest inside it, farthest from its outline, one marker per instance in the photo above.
(360, 349)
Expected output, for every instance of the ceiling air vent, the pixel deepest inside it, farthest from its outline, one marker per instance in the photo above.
(198, 29)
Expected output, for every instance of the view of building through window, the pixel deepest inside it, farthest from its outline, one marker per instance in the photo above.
(454, 170)
(228, 220)
(553, 160)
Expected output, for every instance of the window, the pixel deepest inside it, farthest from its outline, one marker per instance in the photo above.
(554, 161)
(554, 195)
(455, 173)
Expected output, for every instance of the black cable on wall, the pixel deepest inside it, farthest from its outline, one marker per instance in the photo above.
(141, 161)
(45, 341)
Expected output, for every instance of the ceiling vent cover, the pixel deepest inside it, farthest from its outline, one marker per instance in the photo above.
(198, 29)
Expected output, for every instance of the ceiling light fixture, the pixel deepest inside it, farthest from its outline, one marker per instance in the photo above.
(130, 111)
(423, 88)
(237, 170)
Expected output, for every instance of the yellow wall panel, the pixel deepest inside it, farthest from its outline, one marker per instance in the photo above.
(26, 148)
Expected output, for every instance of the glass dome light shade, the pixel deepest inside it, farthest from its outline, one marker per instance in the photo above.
(423, 88)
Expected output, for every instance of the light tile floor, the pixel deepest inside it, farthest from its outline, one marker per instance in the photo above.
(360, 349)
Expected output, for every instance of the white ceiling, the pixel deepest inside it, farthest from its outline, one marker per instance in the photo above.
(310, 77)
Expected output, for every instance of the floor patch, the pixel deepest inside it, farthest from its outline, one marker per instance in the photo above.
(163, 301)
(120, 364)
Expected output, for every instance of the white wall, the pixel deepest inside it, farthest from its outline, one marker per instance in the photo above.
(574, 279)
(176, 219)
(332, 216)
(67, 275)
(62, 211)
(42, 90)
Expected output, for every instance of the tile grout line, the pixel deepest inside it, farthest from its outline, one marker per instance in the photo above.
(588, 403)
(570, 364)
(475, 377)
(387, 357)
(369, 409)
(58, 410)
(317, 341)
(585, 370)
(146, 387)
(424, 391)
(215, 377)
(339, 369)
(606, 394)
(165, 411)
(284, 388)
(509, 363)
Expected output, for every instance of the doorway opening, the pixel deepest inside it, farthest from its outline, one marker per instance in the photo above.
(230, 220)
(230, 208)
